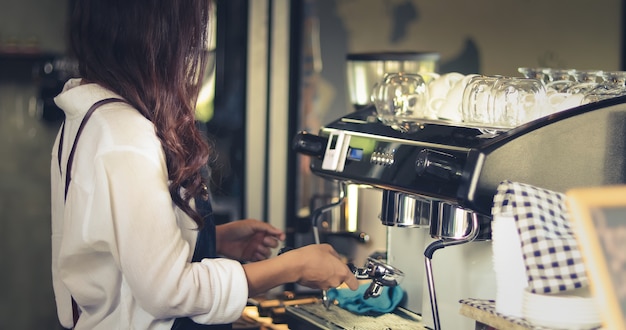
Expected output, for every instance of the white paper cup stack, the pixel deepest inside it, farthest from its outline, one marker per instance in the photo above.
(575, 310)
(508, 264)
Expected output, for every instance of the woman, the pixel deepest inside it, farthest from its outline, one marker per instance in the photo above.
(127, 251)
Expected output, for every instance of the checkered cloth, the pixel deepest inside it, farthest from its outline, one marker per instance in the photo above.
(553, 261)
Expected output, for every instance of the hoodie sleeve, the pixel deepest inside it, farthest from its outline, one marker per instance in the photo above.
(134, 217)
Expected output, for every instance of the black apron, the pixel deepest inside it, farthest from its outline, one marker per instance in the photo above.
(205, 244)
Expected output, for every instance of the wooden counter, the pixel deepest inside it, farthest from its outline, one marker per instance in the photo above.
(484, 312)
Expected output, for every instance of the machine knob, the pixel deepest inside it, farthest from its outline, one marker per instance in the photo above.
(438, 165)
(309, 144)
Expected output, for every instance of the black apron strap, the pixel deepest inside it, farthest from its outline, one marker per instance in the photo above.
(60, 149)
(70, 160)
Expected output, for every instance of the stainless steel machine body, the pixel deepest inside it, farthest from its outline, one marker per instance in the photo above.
(452, 172)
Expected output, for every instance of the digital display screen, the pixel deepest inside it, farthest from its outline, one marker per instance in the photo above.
(355, 154)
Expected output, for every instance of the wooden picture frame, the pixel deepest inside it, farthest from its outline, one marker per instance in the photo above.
(598, 216)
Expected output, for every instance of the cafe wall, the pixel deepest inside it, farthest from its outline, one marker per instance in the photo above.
(33, 23)
(479, 36)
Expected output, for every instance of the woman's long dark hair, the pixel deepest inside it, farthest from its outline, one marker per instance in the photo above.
(152, 53)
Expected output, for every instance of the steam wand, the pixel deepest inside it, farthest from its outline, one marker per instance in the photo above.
(315, 220)
(428, 254)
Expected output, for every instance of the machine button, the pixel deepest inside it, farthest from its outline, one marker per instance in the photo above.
(382, 158)
(437, 164)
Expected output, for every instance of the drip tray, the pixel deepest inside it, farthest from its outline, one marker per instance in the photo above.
(337, 318)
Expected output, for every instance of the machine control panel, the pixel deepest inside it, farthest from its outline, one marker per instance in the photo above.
(418, 168)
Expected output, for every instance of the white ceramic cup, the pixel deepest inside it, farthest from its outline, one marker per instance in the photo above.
(450, 108)
(438, 91)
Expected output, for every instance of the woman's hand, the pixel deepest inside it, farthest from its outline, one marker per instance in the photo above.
(321, 267)
(247, 240)
(317, 266)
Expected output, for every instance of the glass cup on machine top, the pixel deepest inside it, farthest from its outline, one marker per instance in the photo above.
(400, 101)
(613, 84)
(518, 100)
(496, 103)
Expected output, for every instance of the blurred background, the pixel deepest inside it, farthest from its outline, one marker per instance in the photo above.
(31, 34)
(280, 68)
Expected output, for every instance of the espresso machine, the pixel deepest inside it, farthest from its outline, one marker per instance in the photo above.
(437, 185)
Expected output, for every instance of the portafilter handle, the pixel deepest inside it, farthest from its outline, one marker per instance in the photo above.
(380, 273)
(309, 144)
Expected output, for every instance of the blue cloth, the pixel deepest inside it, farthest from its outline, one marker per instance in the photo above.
(354, 301)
